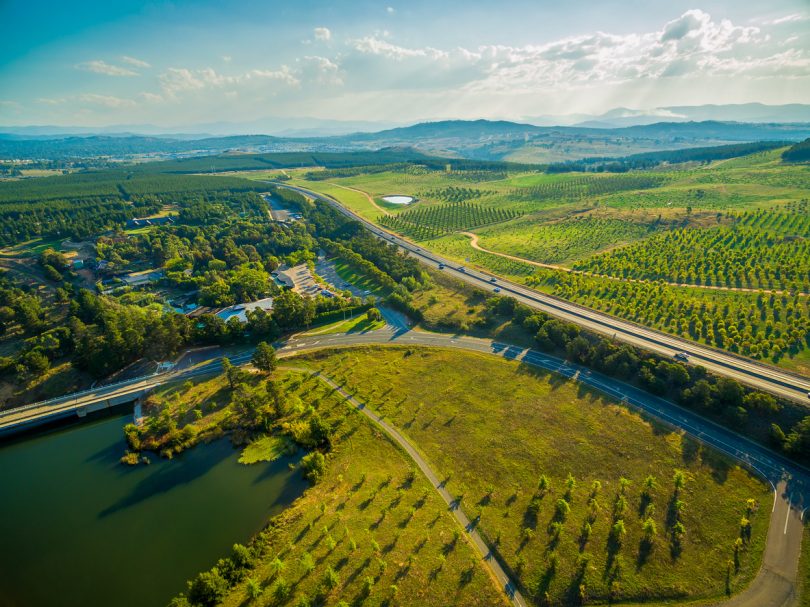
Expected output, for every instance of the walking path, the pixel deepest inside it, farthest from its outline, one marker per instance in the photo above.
(475, 245)
(469, 527)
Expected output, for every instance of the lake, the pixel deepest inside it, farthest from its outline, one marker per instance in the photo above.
(80, 529)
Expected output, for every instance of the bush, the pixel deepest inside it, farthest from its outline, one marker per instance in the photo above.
(313, 466)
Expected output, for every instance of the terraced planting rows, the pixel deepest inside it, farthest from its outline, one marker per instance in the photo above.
(760, 250)
(561, 241)
(658, 518)
(762, 326)
(430, 222)
(454, 194)
(589, 185)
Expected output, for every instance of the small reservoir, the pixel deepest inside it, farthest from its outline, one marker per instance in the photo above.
(399, 199)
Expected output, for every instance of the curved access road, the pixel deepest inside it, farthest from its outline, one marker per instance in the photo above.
(758, 375)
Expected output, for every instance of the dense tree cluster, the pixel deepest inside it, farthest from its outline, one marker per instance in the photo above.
(650, 160)
(81, 205)
(799, 152)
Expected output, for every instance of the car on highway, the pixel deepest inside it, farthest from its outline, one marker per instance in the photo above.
(461, 269)
(441, 266)
(497, 289)
(682, 356)
(493, 279)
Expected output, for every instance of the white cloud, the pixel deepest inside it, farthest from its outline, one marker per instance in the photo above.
(152, 97)
(101, 67)
(787, 19)
(179, 80)
(226, 58)
(373, 45)
(50, 100)
(322, 33)
(321, 70)
(134, 62)
(390, 10)
(107, 101)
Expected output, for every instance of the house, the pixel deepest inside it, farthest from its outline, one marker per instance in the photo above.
(239, 311)
(149, 221)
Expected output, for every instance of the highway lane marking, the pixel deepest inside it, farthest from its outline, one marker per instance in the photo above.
(774, 501)
(787, 514)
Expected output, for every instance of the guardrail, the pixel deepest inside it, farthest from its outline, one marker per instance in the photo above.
(75, 395)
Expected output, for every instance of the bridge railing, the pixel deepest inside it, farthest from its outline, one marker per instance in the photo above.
(75, 395)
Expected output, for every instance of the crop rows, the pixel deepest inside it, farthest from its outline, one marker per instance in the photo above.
(430, 222)
(454, 194)
(761, 250)
(562, 240)
(763, 326)
(582, 186)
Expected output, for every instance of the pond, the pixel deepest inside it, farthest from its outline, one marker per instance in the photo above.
(398, 199)
(80, 529)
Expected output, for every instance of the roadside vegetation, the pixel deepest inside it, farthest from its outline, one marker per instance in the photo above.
(370, 529)
(657, 518)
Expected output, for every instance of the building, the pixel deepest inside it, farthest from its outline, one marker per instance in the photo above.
(239, 311)
(149, 221)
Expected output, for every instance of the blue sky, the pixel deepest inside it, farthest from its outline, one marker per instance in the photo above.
(180, 63)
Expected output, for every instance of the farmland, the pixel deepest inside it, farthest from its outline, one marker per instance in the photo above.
(504, 465)
(643, 244)
(757, 250)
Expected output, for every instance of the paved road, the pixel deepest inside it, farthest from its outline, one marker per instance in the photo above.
(791, 482)
(470, 527)
(759, 375)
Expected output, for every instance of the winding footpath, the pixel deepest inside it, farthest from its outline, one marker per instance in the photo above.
(469, 527)
(550, 266)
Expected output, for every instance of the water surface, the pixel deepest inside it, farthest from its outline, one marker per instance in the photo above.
(77, 528)
(397, 199)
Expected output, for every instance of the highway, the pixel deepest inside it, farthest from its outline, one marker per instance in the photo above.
(791, 482)
(765, 377)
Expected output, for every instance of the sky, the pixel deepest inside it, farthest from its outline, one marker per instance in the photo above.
(121, 62)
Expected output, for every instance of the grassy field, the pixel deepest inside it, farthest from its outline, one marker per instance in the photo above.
(561, 241)
(804, 570)
(494, 427)
(352, 276)
(358, 324)
(370, 531)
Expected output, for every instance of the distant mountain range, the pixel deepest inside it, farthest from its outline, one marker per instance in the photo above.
(317, 127)
(621, 117)
(475, 139)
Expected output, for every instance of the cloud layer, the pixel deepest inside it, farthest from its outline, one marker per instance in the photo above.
(336, 75)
